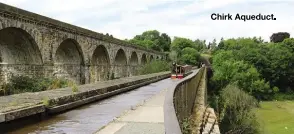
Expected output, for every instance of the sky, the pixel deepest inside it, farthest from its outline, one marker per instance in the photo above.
(181, 18)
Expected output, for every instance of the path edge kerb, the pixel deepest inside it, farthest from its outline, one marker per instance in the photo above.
(96, 94)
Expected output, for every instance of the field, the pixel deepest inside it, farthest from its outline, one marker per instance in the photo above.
(276, 117)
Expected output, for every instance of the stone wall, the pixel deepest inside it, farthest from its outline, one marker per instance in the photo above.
(203, 117)
(31, 44)
(209, 124)
(185, 104)
(179, 102)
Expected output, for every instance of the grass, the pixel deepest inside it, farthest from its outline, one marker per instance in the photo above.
(276, 117)
(205, 55)
(21, 84)
(46, 101)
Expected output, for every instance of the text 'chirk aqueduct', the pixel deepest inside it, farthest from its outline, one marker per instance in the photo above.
(34, 45)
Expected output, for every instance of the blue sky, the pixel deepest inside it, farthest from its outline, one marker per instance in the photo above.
(183, 18)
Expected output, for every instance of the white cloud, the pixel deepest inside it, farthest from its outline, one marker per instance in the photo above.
(189, 18)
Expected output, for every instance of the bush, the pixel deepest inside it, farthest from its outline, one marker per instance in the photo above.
(154, 66)
(235, 109)
(284, 96)
(21, 84)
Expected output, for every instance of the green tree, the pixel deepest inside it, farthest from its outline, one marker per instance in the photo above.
(165, 42)
(213, 44)
(152, 39)
(173, 56)
(228, 70)
(199, 45)
(289, 43)
(189, 56)
(179, 44)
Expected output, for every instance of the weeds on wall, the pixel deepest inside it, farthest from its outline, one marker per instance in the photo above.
(46, 101)
(21, 84)
(186, 126)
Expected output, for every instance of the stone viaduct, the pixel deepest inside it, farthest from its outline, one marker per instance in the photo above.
(34, 45)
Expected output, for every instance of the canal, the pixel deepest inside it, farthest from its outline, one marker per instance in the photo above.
(90, 118)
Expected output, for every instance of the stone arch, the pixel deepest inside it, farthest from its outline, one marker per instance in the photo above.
(69, 61)
(19, 54)
(120, 64)
(144, 59)
(157, 58)
(151, 58)
(100, 63)
(134, 59)
(18, 47)
(133, 64)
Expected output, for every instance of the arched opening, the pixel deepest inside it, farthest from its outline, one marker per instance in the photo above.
(19, 54)
(157, 57)
(144, 59)
(120, 64)
(133, 64)
(134, 59)
(100, 64)
(151, 58)
(69, 61)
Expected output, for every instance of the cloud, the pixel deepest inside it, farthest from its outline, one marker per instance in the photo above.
(184, 18)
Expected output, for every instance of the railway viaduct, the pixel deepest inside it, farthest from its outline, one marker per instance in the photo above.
(34, 45)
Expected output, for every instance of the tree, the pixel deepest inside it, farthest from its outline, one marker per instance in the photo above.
(279, 37)
(289, 43)
(180, 43)
(143, 43)
(190, 56)
(173, 55)
(209, 46)
(199, 45)
(213, 44)
(153, 39)
(165, 42)
(221, 43)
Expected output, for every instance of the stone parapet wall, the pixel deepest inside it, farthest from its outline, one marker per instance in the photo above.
(179, 102)
(204, 118)
(209, 124)
(185, 104)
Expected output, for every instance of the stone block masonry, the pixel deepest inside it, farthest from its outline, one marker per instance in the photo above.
(34, 45)
(50, 102)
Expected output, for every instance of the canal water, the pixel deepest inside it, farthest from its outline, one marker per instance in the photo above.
(90, 118)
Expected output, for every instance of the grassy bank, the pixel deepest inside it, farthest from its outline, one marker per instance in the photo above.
(276, 117)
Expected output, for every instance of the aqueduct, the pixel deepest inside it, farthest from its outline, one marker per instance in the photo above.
(34, 45)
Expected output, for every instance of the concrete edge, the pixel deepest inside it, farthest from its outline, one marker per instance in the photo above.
(2, 117)
(41, 108)
(24, 112)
